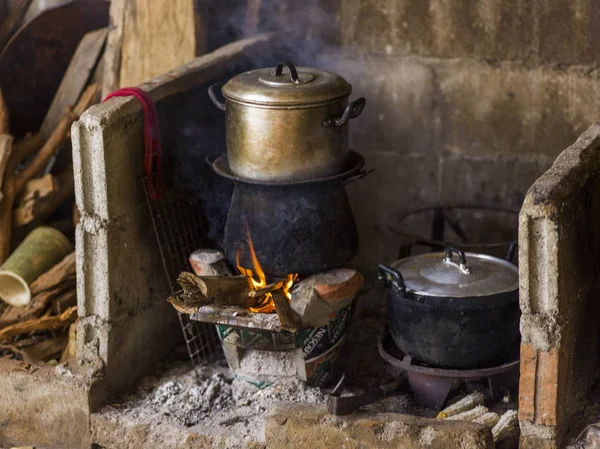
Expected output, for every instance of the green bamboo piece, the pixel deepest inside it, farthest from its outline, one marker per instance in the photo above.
(43, 248)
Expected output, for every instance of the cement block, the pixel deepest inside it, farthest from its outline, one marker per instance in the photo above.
(400, 93)
(303, 426)
(493, 181)
(507, 109)
(109, 432)
(559, 268)
(41, 408)
(548, 32)
(399, 183)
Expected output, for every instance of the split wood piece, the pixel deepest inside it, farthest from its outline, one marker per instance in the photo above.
(44, 323)
(209, 262)
(211, 290)
(490, 419)
(38, 304)
(15, 183)
(146, 42)
(341, 284)
(318, 298)
(32, 193)
(507, 424)
(45, 350)
(306, 302)
(467, 403)
(76, 77)
(43, 207)
(70, 349)
(13, 20)
(64, 301)
(266, 289)
(53, 277)
(3, 114)
(59, 135)
(469, 415)
(213, 286)
(290, 322)
(6, 148)
(24, 148)
(37, 188)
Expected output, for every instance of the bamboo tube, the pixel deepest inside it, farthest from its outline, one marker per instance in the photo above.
(43, 248)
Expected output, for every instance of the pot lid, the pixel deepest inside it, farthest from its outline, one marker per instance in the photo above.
(457, 276)
(287, 85)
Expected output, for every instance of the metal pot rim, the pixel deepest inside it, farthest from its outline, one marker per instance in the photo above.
(435, 276)
(354, 164)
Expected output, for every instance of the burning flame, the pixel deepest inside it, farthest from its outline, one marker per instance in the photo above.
(257, 280)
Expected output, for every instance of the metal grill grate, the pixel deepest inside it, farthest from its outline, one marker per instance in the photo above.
(179, 230)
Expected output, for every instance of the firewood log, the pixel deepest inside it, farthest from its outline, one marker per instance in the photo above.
(6, 148)
(507, 424)
(44, 206)
(70, 349)
(287, 317)
(213, 286)
(53, 277)
(64, 301)
(14, 183)
(44, 323)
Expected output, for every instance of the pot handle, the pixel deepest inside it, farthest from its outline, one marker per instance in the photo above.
(213, 96)
(511, 251)
(462, 259)
(291, 67)
(391, 278)
(353, 110)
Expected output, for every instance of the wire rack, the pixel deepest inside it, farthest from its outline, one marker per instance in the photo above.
(179, 229)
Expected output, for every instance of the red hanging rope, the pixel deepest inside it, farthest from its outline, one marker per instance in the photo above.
(152, 149)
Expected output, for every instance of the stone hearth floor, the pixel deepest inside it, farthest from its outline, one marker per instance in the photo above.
(172, 408)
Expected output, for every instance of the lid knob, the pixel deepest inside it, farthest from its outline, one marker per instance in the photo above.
(291, 67)
(462, 259)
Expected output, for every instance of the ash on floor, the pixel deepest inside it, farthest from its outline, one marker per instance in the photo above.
(214, 404)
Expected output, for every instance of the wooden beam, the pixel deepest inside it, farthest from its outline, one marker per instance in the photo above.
(158, 36)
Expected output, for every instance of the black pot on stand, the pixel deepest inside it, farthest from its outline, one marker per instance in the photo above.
(296, 227)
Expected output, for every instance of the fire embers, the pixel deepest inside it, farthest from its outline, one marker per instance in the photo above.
(257, 282)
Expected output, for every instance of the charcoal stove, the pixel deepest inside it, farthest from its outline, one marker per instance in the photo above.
(432, 386)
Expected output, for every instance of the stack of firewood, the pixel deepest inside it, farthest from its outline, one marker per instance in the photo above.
(42, 330)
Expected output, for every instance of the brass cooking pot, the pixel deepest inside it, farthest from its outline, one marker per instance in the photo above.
(287, 126)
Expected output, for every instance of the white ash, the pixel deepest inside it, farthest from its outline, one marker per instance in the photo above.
(216, 404)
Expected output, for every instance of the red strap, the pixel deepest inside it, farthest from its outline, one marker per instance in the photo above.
(152, 148)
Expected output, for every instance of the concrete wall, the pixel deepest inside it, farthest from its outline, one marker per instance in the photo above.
(559, 267)
(467, 101)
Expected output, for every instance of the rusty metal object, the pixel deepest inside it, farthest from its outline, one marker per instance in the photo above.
(287, 125)
(432, 386)
(346, 405)
(33, 62)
